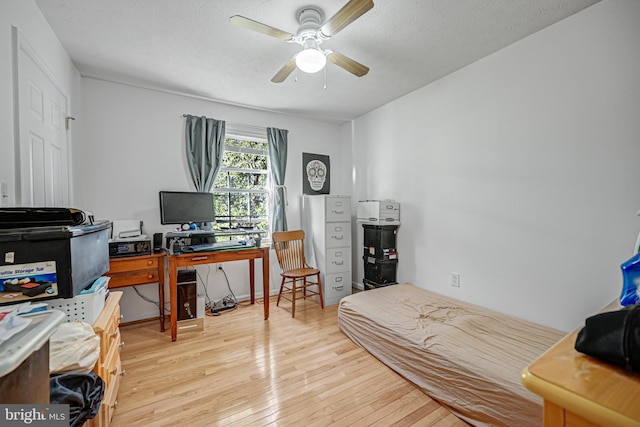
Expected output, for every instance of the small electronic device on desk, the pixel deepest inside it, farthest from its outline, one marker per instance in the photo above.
(127, 239)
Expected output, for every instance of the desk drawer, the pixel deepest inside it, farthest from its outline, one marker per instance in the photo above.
(134, 277)
(121, 265)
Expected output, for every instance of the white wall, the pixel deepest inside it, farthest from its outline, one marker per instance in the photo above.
(26, 17)
(520, 171)
(133, 147)
(525, 162)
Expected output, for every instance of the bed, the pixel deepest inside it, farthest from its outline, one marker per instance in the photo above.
(466, 357)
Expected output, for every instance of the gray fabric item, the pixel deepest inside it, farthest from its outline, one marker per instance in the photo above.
(277, 139)
(204, 141)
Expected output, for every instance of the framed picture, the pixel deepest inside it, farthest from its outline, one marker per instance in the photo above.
(316, 173)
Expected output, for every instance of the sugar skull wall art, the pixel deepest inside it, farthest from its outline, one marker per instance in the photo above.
(315, 174)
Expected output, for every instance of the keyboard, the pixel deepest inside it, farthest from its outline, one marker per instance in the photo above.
(190, 233)
(215, 246)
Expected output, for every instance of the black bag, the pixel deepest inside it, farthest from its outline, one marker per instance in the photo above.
(613, 337)
(82, 392)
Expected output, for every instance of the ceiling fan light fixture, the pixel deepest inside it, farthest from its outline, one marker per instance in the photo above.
(311, 33)
(311, 60)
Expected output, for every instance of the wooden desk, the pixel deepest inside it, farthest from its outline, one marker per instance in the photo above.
(139, 270)
(199, 258)
(579, 390)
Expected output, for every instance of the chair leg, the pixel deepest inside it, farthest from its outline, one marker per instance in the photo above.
(280, 293)
(293, 298)
(320, 292)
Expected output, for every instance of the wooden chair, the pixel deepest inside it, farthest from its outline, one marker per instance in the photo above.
(289, 246)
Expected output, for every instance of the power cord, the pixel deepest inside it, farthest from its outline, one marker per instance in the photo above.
(205, 285)
(228, 303)
(231, 294)
(156, 303)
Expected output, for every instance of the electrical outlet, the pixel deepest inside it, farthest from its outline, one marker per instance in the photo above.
(455, 280)
(219, 267)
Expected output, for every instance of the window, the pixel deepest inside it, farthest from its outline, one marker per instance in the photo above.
(241, 192)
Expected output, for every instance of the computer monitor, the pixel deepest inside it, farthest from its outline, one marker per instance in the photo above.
(181, 207)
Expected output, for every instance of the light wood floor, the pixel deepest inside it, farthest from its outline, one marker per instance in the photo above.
(243, 370)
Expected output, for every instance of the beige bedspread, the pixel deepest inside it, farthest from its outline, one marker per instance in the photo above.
(466, 357)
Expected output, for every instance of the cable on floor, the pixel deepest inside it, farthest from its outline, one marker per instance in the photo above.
(156, 303)
(228, 301)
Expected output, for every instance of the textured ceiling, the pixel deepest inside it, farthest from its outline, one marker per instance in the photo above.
(189, 46)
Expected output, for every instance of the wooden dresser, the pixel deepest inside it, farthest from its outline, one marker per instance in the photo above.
(109, 365)
(581, 391)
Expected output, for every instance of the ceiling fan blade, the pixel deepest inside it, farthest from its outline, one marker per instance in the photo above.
(259, 27)
(348, 64)
(345, 16)
(284, 72)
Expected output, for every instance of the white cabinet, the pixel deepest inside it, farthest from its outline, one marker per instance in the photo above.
(326, 221)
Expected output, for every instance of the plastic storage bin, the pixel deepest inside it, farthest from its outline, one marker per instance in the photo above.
(381, 254)
(368, 284)
(380, 236)
(380, 272)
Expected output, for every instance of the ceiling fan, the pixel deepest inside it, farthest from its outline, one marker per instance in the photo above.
(310, 36)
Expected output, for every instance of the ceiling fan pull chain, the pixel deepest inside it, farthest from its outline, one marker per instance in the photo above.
(325, 78)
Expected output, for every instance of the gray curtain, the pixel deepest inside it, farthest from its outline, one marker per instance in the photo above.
(204, 140)
(277, 139)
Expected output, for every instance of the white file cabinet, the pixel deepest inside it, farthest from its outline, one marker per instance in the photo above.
(327, 226)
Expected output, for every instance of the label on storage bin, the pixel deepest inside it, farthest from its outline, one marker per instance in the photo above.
(28, 281)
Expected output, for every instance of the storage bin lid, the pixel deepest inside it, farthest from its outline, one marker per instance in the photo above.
(53, 232)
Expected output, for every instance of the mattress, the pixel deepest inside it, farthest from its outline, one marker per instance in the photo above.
(466, 357)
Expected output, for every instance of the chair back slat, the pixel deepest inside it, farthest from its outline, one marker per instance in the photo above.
(289, 246)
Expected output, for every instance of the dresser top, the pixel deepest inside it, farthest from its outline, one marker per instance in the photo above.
(595, 390)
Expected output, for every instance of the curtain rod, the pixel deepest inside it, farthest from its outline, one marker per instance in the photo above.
(240, 125)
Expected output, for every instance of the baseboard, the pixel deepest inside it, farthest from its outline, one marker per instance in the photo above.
(357, 285)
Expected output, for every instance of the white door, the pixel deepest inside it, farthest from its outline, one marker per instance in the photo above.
(43, 164)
